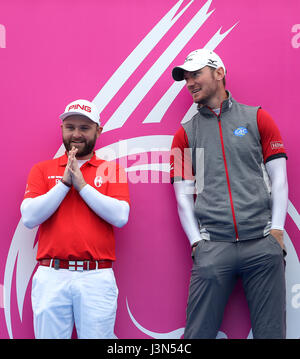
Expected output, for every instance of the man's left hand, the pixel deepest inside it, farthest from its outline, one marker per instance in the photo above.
(77, 177)
(278, 234)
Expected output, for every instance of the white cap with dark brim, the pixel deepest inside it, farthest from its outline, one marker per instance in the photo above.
(196, 60)
(84, 108)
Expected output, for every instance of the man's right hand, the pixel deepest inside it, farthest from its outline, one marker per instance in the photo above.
(67, 177)
(195, 245)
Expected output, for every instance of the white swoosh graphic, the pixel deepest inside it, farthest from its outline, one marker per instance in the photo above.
(136, 57)
(175, 334)
(22, 252)
(135, 145)
(121, 115)
(169, 96)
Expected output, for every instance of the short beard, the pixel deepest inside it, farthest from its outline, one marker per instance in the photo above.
(87, 149)
(212, 91)
(206, 101)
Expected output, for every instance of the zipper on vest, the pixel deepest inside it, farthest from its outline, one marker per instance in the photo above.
(227, 175)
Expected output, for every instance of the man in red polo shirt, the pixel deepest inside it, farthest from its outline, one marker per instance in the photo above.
(76, 199)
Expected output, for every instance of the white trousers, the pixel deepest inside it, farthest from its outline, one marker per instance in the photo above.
(62, 297)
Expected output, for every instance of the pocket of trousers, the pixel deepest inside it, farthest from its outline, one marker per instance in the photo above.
(273, 240)
(197, 251)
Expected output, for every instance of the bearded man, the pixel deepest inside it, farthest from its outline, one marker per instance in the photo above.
(76, 199)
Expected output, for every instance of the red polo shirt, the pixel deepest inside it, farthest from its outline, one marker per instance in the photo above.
(74, 231)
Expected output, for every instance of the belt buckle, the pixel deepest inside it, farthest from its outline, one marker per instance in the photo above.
(76, 266)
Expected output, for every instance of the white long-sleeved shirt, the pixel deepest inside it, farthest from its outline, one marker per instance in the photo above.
(37, 210)
(276, 170)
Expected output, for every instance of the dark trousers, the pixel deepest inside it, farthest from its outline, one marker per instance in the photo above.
(217, 266)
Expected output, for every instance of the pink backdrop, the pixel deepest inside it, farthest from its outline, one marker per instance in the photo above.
(120, 54)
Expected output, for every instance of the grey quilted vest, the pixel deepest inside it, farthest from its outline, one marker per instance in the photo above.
(233, 200)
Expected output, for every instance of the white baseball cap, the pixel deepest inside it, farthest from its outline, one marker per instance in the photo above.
(196, 60)
(82, 107)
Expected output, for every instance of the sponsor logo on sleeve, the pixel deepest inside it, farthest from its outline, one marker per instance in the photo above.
(276, 145)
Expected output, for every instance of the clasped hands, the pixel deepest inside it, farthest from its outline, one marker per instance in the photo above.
(72, 174)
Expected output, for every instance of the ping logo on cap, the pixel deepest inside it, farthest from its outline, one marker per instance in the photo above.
(83, 107)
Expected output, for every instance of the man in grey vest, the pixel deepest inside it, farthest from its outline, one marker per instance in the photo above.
(228, 169)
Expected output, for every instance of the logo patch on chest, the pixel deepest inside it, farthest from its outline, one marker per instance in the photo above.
(240, 131)
(98, 181)
(57, 178)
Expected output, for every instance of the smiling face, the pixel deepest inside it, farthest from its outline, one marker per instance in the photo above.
(80, 132)
(206, 86)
